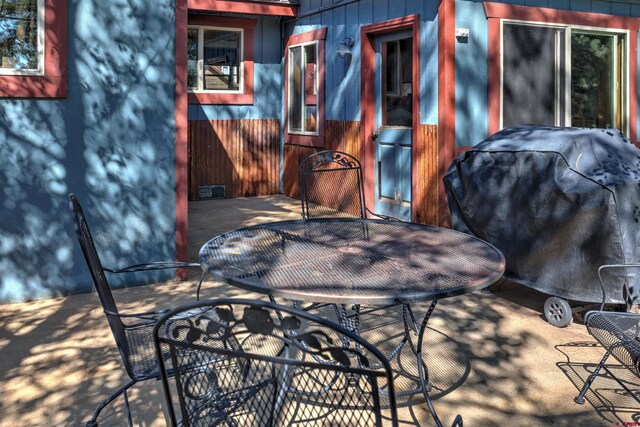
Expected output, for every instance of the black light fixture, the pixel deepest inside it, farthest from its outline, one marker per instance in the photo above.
(345, 47)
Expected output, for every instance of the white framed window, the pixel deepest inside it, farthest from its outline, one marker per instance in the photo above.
(22, 37)
(302, 75)
(563, 75)
(215, 59)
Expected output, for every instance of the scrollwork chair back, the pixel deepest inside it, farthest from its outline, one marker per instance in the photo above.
(256, 363)
(331, 185)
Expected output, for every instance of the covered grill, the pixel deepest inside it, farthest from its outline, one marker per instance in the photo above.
(558, 203)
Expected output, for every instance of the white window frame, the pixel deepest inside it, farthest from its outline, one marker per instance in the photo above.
(315, 87)
(39, 71)
(200, 61)
(621, 87)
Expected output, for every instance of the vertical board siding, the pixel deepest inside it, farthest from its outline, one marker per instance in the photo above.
(339, 135)
(428, 178)
(241, 154)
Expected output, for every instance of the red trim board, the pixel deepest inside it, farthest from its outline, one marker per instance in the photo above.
(181, 119)
(446, 100)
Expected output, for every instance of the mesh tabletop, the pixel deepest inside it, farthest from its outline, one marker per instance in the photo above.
(352, 260)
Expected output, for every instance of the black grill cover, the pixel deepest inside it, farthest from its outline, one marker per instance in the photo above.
(558, 202)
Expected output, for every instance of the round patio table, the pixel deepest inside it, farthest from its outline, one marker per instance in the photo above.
(355, 261)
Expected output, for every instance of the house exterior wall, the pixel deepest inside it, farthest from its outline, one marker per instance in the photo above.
(471, 74)
(112, 137)
(343, 74)
(238, 146)
(111, 140)
(343, 125)
(267, 100)
(469, 83)
(471, 58)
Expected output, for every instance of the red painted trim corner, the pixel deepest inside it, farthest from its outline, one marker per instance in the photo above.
(244, 7)
(181, 120)
(446, 100)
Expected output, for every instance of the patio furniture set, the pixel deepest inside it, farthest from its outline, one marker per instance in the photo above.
(305, 360)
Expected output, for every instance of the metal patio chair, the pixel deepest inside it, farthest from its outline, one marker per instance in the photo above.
(331, 185)
(239, 362)
(132, 331)
(617, 332)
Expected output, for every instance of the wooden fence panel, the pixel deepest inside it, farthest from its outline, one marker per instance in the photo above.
(244, 155)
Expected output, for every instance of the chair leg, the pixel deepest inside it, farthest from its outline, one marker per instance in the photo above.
(580, 397)
(200, 285)
(93, 422)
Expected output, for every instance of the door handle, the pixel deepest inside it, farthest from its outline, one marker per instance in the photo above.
(375, 135)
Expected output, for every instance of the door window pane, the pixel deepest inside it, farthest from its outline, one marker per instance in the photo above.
(19, 48)
(397, 66)
(591, 80)
(391, 80)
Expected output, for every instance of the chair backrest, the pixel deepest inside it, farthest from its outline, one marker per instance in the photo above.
(256, 363)
(331, 185)
(99, 279)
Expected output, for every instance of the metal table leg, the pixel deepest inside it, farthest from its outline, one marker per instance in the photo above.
(423, 372)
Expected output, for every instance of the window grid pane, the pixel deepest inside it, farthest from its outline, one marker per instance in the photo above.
(548, 81)
(295, 89)
(192, 58)
(592, 62)
(214, 60)
(310, 84)
(221, 60)
(19, 48)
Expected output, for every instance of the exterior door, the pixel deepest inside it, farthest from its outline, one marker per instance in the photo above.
(393, 123)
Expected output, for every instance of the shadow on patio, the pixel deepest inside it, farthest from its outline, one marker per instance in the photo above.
(491, 357)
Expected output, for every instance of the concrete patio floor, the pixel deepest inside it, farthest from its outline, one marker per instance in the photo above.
(492, 357)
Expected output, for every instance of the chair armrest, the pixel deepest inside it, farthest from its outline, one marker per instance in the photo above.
(152, 266)
(387, 217)
(147, 316)
(610, 266)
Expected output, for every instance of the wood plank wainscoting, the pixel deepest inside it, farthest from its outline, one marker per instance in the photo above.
(345, 136)
(244, 155)
(339, 135)
(428, 179)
